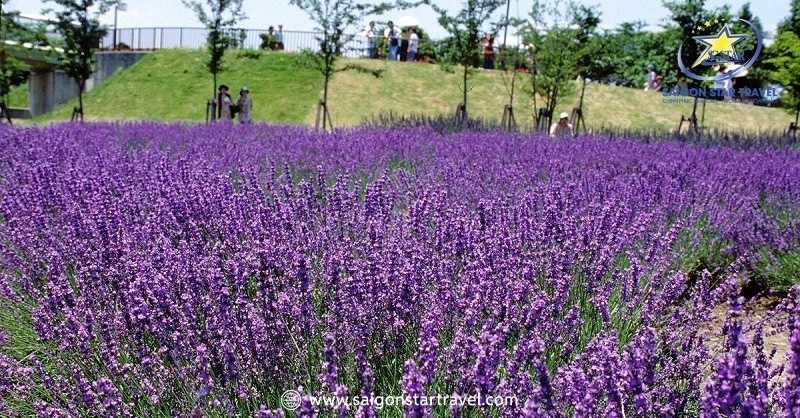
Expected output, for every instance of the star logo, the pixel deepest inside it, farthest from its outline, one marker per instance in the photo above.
(719, 48)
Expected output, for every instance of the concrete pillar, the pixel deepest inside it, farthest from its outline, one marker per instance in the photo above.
(65, 87)
(40, 91)
(48, 88)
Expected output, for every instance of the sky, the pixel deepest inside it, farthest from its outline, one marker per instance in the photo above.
(264, 13)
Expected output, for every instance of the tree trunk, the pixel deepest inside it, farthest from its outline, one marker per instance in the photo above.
(81, 86)
(513, 84)
(466, 68)
(215, 107)
(536, 120)
(214, 91)
(793, 128)
(325, 102)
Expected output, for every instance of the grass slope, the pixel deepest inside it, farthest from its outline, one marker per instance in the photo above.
(18, 96)
(408, 88)
(174, 85)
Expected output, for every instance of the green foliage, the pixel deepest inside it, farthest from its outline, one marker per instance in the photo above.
(702, 248)
(555, 49)
(465, 29)
(14, 72)
(792, 22)
(77, 24)
(782, 59)
(219, 17)
(780, 270)
(621, 56)
(586, 19)
(336, 22)
(268, 41)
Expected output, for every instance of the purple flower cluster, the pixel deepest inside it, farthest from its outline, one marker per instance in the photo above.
(151, 269)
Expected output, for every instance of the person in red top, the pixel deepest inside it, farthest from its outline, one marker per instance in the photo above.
(488, 51)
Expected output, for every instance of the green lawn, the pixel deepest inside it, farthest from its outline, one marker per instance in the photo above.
(417, 88)
(18, 97)
(174, 85)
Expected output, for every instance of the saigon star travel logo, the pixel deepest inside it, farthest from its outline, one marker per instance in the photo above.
(720, 49)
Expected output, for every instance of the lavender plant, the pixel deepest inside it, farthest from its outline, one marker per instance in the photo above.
(153, 270)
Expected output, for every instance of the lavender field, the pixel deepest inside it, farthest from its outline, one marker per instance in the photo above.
(170, 270)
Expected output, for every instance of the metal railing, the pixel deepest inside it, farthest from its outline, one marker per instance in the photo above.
(153, 38)
(35, 23)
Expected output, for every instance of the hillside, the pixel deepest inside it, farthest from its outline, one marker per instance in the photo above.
(174, 85)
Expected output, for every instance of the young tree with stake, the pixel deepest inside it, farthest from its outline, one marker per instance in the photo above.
(219, 17)
(465, 38)
(335, 21)
(554, 54)
(81, 32)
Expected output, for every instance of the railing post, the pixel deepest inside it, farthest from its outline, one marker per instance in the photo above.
(154, 38)
(140, 39)
(180, 38)
(162, 38)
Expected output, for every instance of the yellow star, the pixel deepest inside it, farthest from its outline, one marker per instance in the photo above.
(721, 43)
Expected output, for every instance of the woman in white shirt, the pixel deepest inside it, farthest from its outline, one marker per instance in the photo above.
(413, 46)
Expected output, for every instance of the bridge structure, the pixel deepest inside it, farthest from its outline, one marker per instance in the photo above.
(48, 86)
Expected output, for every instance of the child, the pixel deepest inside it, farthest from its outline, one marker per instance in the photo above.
(245, 105)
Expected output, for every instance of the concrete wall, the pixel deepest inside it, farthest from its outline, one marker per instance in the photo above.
(48, 87)
(109, 62)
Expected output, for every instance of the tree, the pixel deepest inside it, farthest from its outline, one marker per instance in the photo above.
(792, 23)
(336, 22)
(510, 61)
(219, 17)
(465, 41)
(81, 33)
(13, 72)
(756, 78)
(785, 59)
(585, 21)
(554, 51)
(782, 60)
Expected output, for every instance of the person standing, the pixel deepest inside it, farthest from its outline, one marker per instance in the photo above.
(225, 103)
(371, 33)
(271, 40)
(651, 78)
(413, 45)
(245, 105)
(392, 36)
(488, 51)
(561, 128)
(279, 38)
(403, 51)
